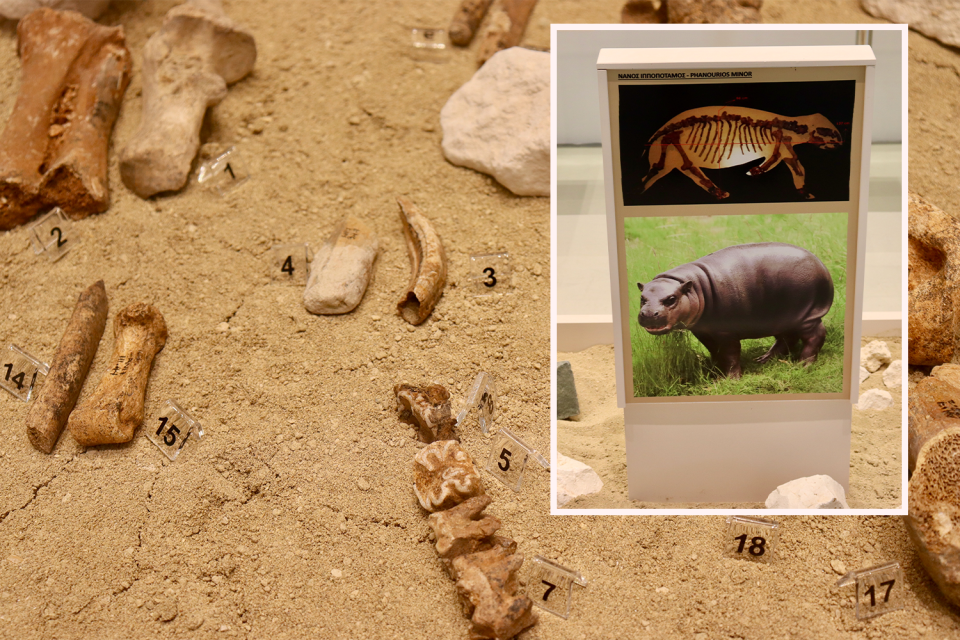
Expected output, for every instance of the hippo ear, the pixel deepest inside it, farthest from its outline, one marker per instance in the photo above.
(640, 286)
(686, 288)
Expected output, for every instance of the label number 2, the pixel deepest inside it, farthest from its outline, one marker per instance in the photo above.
(491, 280)
(886, 596)
(757, 545)
(288, 266)
(60, 241)
(505, 456)
(18, 379)
(550, 587)
(170, 437)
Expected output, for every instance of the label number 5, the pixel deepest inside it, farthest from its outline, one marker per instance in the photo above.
(505, 456)
(170, 437)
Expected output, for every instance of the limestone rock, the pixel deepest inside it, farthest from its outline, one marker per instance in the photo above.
(864, 374)
(874, 355)
(568, 405)
(713, 11)
(814, 492)
(575, 479)
(340, 271)
(499, 121)
(444, 476)
(893, 375)
(16, 9)
(933, 18)
(874, 400)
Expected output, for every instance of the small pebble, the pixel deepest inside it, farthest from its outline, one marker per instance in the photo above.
(336, 573)
(363, 484)
(838, 567)
(223, 326)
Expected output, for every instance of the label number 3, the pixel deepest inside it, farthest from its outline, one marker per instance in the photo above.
(491, 280)
(170, 437)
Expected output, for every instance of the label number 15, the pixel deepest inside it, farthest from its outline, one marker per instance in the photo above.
(170, 437)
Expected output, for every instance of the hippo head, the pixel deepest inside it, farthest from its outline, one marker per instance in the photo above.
(666, 305)
(824, 134)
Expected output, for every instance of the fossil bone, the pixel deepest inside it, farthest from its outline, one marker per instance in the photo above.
(933, 519)
(488, 586)
(713, 11)
(340, 272)
(49, 412)
(16, 9)
(54, 146)
(463, 528)
(933, 278)
(115, 409)
(187, 66)
(466, 20)
(505, 27)
(444, 476)
(934, 405)
(428, 263)
(644, 12)
(429, 408)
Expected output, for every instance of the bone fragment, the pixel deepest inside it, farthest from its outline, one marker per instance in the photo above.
(115, 409)
(508, 21)
(429, 409)
(464, 528)
(466, 20)
(713, 11)
(488, 586)
(644, 12)
(53, 151)
(428, 264)
(933, 280)
(934, 405)
(187, 66)
(933, 519)
(49, 412)
(16, 9)
(444, 476)
(340, 272)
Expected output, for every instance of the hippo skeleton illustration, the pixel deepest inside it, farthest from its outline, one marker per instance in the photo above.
(743, 292)
(721, 137)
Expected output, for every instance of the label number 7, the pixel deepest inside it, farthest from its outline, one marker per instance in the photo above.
(550, 588)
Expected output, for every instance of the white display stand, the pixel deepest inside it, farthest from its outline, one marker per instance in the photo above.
(712, 449)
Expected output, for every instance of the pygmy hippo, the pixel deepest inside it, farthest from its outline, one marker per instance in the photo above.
(741, 292)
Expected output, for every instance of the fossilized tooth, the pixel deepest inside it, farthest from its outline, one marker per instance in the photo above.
(429, 265)
(187, 66)
(444, 476)
(933, 278)
(933, 519)
(429, 409)
(488, 586)
(466, 20)
(340, 272)
(49, 412)
(934, 406)
(115, 409)
(508, 20)
(53, 151)
(463, 528)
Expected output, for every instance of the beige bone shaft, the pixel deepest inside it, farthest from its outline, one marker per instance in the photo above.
(428, 263)
(508, 21)
(54, 147)
(58, 395)
(115, 409)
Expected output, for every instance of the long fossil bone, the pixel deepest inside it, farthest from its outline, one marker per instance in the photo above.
(58, 395)
(466, 20)
(428, 262)
(505, 27)
(115, 409)
(54, 147)
(187, 66)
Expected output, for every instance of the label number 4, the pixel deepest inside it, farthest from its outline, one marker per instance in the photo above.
(169, 438)
(505, 456)
(287, 266)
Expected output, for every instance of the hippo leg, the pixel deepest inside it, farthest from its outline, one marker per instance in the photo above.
(812, 341)
(728, 358)
(781, 347)
(711, 343)
(658, 161)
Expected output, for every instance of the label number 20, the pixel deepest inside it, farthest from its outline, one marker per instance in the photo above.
(170, 437)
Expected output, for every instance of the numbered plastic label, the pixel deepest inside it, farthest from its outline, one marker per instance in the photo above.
(751, 538)
(550, 586)
(288, 263)
(481, 401)
(507, 459)
(490, 273)
(879, 589)
(53, 235)
(172, 428)
(225, 172)
(435, 39)
(20, 372)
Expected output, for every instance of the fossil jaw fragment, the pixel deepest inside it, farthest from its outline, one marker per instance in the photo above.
(429, 265)
(54, 147)
(444, 476)
(487, 585)
(187, 66)
(115, 409)
(429, 408)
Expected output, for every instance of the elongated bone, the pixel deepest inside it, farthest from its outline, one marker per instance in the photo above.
(466, 20)
(340, 272)
(488, 586)
(428, 264)
(54, 147)
(187, 66)
(115, 409)
(49, 412)
(444, 476)
(429, 408)
(508, 21)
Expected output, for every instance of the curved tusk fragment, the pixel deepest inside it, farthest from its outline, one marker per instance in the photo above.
(429, 265)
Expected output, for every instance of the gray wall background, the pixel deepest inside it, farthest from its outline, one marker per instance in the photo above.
(578, 101)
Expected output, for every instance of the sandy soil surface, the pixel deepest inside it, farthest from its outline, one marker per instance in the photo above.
(596, 438)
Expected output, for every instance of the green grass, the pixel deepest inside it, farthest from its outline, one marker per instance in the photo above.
(677, 364)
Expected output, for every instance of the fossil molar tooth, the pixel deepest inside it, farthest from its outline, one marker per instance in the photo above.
(49, 412)
(429, 408)
(115, 409)
(933, 519)
(488, 586)
(429, 265)
(54, 147)
(187, 66)
(932, 282)
(464, 528)
(340, 272)
(444, 476)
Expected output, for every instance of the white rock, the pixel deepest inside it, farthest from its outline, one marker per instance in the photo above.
(864, 374)
(340, 272)
(814, 492)
(16, 9)
(892, 376)
(874, 355)
(498, 122)
(934, 18)
(874, 400)
(575, 479)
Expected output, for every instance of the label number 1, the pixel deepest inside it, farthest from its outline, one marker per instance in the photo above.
(288, 266)
(229, 170)
(170, 437)
(757, 545)
(886, 597)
